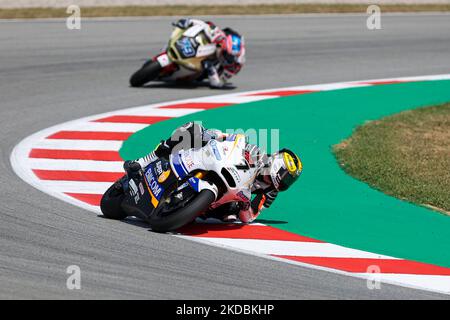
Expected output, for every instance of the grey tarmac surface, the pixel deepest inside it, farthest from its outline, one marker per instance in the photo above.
(50, 75)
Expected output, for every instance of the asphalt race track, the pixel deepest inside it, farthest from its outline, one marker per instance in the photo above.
(50, 75)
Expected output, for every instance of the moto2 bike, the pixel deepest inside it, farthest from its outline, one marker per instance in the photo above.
(170, 193)
(182, 59)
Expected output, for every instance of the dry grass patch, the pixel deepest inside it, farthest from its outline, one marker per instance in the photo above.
(132, 11)
(405, 155)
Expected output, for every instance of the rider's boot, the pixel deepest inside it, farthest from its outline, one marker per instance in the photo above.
(227, 212)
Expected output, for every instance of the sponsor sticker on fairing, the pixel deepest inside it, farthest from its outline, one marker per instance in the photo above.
(163, 60)
(163, 176)
(215, 150)
(235, 174)
(154, 187)
(141, 188)
(186, 47)
(158, 168)
(187, 160)
(134, 191)
(242, 196)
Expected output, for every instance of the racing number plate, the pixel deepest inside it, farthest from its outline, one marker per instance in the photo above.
(185, 47)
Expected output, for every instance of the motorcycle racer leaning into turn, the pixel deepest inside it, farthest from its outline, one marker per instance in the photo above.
(230, 51)
(275, 172)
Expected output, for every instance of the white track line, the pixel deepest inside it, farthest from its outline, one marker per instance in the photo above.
(172, 113)
(239, 99)
(427, 282)
(331, 86)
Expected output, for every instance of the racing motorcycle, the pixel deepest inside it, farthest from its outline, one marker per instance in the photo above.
(182, 61)
(170, 193)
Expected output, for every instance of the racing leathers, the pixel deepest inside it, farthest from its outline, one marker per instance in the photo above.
(193, 135)
(218, 70)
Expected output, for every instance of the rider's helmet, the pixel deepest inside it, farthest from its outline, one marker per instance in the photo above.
(233, 47)
(284, 168)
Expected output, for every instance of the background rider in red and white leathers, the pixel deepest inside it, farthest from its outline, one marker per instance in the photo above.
(230, 54)
(276, 172)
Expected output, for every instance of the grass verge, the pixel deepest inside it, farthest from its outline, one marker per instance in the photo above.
(130, 11)
(406, 155)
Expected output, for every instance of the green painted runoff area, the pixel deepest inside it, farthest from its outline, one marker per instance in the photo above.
(326, 203)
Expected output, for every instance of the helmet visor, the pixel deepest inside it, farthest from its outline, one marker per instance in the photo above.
(287, 179)
(229, 58)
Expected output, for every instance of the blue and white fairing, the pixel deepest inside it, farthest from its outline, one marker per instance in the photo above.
(225, 158)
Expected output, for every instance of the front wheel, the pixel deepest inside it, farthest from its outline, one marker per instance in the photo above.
(181, 217)
(111, 203)
(149, 71)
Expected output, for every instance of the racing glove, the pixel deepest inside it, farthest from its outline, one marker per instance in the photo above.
(259, 203)
(132, 168)
(270, 197)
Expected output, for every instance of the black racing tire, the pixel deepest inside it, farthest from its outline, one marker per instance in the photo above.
(149, 71)
(183, 216)
(111, 203)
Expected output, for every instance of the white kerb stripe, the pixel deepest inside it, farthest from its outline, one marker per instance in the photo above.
(100, 145)
(294, 248)
(105, 126)
(433, 282)
(76, 186)
(76, 165)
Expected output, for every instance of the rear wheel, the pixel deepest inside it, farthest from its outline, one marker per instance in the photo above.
(111, 203)
(168, 222)
(148, 72)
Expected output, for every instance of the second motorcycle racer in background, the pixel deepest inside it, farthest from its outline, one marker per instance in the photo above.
(208, 174)
(196, 50)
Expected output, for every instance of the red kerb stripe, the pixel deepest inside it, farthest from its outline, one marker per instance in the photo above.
(62, 175)
(239, 231)
(75, 154)
(361, 265)
(92, 199)
(196, 105)
(133, 119)
(90, 135)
